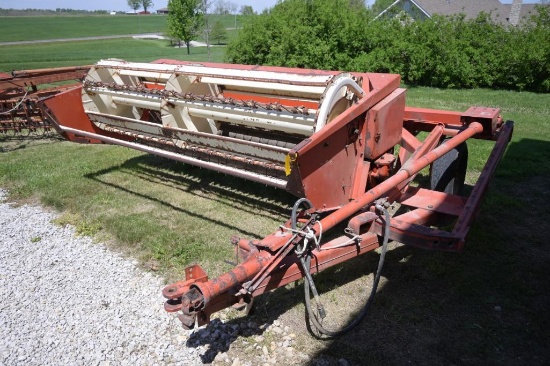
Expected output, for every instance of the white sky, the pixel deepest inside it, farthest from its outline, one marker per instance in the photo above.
(122, 5)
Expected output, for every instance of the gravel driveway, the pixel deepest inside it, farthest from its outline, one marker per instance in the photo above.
(67, 301)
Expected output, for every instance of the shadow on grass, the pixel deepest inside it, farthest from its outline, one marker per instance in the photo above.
(10, 143)
(488, 305)
(203, 183)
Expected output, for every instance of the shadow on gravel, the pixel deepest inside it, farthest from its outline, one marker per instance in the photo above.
(217, 337)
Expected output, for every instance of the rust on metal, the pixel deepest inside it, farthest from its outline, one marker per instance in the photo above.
(21, 92)
(344, 143)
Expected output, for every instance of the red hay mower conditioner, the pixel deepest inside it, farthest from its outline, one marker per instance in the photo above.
(344, 143)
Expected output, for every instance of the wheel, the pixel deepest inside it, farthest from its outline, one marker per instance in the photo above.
(447, 174)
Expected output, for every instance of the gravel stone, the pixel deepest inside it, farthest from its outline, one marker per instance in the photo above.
(343, 362)
(65, 300)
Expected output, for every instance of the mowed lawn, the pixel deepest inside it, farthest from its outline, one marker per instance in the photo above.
(14, 29)
(73, 26)
(56, 54)
(486, 305)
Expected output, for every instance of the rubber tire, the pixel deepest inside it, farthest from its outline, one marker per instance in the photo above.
(447, 174)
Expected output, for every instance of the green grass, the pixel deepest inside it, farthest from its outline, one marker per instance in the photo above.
(20, 57)
(156, 209)
(530, 110)
(52, 27)
(432, 307)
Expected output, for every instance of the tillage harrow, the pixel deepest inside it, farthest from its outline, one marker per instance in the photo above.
(19, 94)
(344, 143)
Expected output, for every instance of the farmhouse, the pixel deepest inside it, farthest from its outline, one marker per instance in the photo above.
(500, 13)
(163, 11)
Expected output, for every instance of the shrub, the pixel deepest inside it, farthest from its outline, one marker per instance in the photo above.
(442, 51)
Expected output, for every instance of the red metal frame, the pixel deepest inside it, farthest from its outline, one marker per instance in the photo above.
(368, 152)
(19, 96)
(409, 228)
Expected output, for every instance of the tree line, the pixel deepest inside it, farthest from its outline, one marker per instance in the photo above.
(57, 11)
(442, 51)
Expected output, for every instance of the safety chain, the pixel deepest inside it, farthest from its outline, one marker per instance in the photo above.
(308, 235)
(252, 104)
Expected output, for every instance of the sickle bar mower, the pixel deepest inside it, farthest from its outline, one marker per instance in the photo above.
(344, 143)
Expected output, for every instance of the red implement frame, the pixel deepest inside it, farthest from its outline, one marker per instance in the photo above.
(271, 262)
(368, 154)
(19, 95)
(336, 154)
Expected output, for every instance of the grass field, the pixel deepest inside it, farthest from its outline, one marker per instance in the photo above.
(52, 27)
(489, 305)
(55, 54)
(21, 57)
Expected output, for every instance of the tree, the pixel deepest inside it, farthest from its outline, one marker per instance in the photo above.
(222, 7)
(232, 7)
(184, 20)
(219, 34)
(208, 8)
(205, 8)
(233, 10)
(247, 10)
(146, 4)
(321, 34)
(134, 4)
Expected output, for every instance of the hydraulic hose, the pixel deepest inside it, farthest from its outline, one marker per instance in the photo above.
(364, 311)
(302, 250)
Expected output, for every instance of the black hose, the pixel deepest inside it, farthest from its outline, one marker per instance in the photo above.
(301, 249)
(365, 309)
(293, 216)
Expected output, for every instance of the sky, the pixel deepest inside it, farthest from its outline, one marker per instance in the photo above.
(258, 5)
(120, 5)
